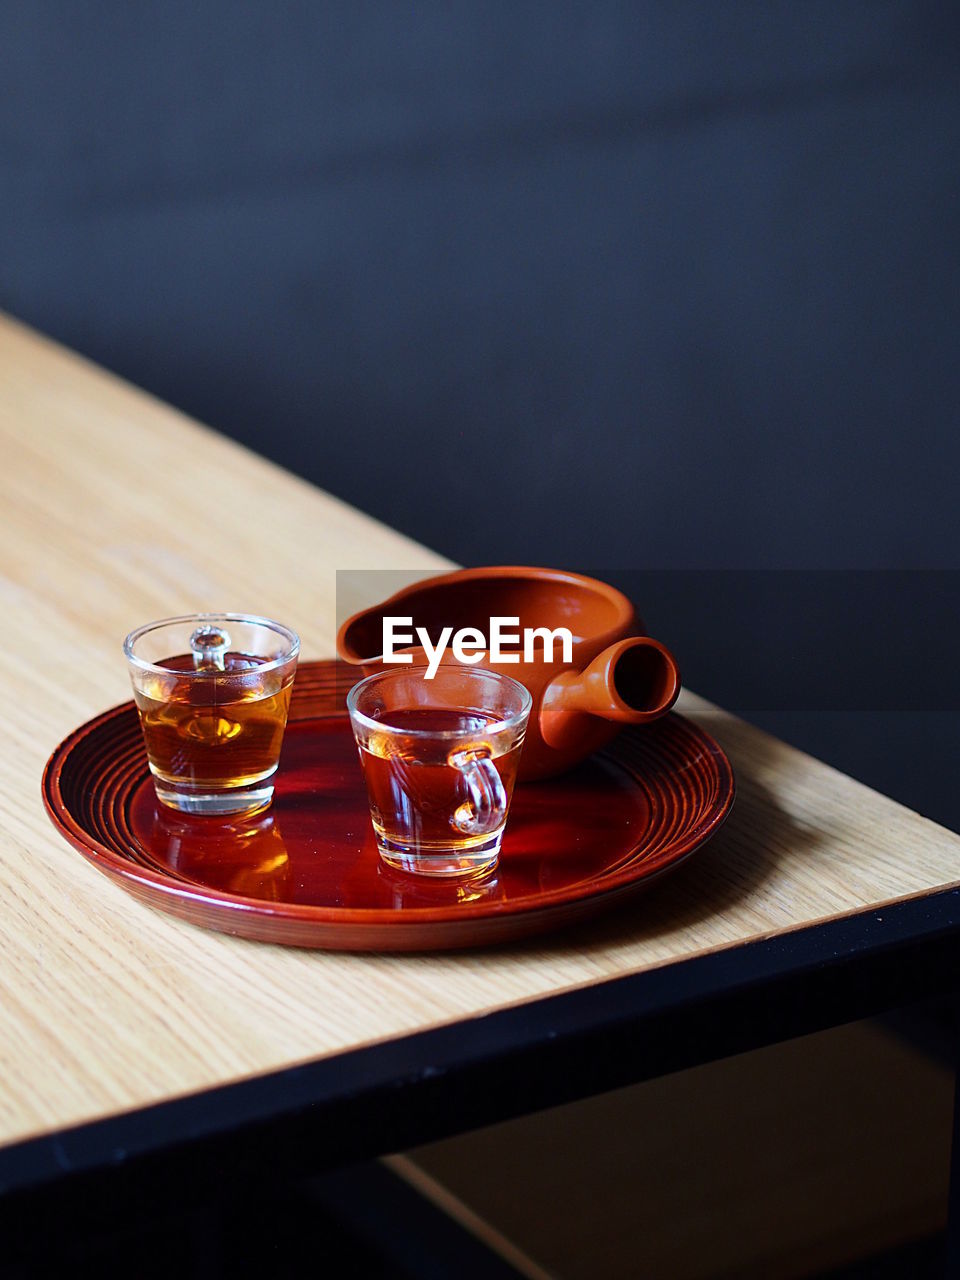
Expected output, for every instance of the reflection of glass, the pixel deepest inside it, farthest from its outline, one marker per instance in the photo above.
(246, 856)
(213, 691)
(408, 893)
(440, 759)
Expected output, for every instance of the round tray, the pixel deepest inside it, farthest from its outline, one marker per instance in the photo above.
(306, 872)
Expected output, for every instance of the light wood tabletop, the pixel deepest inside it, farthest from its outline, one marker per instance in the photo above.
(116, 510)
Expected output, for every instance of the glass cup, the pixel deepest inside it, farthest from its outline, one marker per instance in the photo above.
(440, 761)
(213, 690)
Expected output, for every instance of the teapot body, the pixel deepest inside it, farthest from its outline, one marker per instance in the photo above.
(611, 673)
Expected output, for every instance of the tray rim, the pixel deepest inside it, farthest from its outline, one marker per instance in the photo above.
(441, 917)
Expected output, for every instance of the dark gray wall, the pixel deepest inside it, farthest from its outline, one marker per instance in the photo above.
(641, 285)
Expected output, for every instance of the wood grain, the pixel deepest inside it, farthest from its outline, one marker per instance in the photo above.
(116, 510)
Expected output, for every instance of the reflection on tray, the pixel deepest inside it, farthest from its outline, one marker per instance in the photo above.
(246, 856)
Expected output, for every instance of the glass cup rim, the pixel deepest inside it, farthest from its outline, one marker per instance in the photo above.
(141, 664)
(508, 722)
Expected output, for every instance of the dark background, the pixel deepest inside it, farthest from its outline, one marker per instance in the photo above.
(627, 287)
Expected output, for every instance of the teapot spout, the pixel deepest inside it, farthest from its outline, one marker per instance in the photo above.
(631, 682)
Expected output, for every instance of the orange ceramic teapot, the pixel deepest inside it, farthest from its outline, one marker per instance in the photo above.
(616, 675)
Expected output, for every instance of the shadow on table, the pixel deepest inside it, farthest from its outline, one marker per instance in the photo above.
(716, 896)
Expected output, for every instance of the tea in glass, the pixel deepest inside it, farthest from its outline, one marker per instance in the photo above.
(213, 692)
(440, 760)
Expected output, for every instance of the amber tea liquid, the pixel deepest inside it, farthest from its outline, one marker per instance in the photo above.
(418, 798)
(213, 743)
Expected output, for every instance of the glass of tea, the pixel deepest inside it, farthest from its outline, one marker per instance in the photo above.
(440, 760)
(213, 690)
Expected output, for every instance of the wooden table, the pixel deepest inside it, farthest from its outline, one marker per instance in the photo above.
(125, 1033)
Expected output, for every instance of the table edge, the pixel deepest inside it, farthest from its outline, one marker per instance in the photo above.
(528, 1056)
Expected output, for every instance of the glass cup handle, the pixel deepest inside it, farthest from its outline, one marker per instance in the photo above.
(485, 806)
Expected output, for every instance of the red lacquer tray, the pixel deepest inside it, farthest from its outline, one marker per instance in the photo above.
(306, 872)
